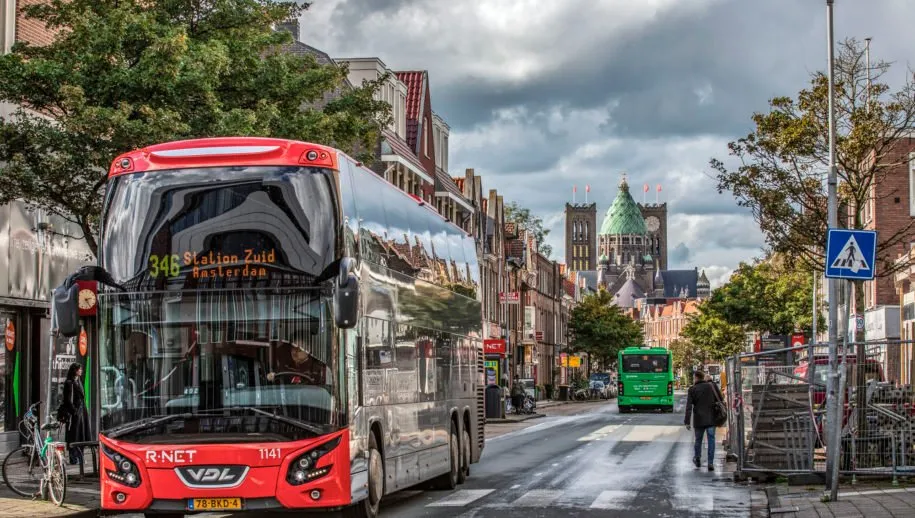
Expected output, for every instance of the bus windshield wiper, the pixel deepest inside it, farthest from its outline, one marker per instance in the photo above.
(143, 424)
(155, 420)
(286, 420)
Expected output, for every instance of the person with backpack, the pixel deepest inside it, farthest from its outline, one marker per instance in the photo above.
(704, 410)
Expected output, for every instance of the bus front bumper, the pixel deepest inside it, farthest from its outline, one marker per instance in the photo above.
(646, 401)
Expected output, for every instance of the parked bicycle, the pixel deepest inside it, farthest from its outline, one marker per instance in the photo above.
(37, 468)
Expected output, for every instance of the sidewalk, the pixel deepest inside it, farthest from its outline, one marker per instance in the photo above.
(82, 500)
(870, 500)
(541, 405)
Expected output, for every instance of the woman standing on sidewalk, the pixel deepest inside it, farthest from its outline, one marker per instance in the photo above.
(73, 411)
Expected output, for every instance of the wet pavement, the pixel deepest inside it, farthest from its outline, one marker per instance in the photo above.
(597, 463)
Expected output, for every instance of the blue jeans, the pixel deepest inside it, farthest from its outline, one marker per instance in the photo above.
(710, 433)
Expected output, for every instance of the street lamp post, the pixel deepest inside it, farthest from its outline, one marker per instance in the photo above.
(832, 407)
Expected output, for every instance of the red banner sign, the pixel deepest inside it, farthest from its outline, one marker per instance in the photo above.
(494, 346)
(511, 297)
(797, 339)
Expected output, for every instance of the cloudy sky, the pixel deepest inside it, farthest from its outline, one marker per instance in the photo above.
(541, 96)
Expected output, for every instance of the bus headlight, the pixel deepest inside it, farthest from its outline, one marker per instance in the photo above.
(304, 468)
(126, 472)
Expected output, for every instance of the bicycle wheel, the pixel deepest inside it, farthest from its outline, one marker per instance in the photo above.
(22, 471)
(57, 477)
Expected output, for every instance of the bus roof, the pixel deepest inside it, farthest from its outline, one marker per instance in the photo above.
(644, 350)
(208, 152)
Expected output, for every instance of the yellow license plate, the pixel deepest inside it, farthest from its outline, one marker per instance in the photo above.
(214, 504)
(646, 397)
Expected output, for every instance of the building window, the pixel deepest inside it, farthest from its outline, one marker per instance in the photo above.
(426, 140)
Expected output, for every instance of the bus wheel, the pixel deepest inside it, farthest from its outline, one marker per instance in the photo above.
(624, 409)
(368, 508)
(449, 480)
(465, 459)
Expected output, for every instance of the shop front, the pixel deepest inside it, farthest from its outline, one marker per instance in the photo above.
(37, 252)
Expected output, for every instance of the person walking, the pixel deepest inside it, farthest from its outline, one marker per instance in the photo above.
(73, 412)
(700, 415)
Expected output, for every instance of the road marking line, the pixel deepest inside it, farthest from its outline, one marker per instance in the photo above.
(538, 474)
(516, 486)
(537, 498)
(600, 433)
(461, 498)
(701, 502)
(613, 500)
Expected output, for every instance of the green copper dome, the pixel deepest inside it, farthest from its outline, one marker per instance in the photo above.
(624, 216)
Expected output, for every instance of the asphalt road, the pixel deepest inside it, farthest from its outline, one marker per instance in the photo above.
(596, 463)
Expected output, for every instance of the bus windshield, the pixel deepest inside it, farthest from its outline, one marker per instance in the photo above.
(645, 363)
(209, 357)
(224, 326)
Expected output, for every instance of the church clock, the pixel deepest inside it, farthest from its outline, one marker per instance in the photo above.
(653, 223)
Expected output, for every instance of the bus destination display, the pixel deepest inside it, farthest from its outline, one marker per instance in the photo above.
(212, 264)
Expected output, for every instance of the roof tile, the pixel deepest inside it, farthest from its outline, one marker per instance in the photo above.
(415, 81)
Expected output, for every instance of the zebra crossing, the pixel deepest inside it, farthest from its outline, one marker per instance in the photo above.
(694, 501)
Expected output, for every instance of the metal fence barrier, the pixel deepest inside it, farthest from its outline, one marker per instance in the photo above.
(778, 400)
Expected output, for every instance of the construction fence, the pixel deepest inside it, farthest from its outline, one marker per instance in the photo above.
(777, 401)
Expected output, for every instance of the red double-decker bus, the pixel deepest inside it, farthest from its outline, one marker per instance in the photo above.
(279, 328)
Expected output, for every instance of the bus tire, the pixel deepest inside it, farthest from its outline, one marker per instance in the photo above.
(368, 508)
(449, 480)
(464, 473)
(624, 409)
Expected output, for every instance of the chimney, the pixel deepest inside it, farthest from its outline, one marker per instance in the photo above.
(291, 26)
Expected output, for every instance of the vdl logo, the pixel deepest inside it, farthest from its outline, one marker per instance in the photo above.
(212, 476)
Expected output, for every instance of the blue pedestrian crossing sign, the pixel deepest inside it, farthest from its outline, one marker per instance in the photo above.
(851, 254)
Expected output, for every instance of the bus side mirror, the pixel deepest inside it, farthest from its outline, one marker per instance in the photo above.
(346, 295)
(66, 310)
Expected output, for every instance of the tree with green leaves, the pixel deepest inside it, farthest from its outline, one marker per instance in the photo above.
(527, 221)
(709, 332)
(124, 75)
(686, 354)
(767, 296)
(600, 329)
(781, 167)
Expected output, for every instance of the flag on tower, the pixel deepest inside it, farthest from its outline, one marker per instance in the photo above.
(659, 187)
(588, 188)
(574, 190)
(646, 187)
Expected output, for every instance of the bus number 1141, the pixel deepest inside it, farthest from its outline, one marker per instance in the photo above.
(270, 453)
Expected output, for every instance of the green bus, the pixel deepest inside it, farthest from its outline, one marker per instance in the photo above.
(646, 379)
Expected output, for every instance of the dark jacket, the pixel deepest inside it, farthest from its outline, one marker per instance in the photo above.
(700, 404)
(74, 407)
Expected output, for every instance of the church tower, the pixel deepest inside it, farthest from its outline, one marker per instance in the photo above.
(581, 236)
(625, 240)
(655, 215)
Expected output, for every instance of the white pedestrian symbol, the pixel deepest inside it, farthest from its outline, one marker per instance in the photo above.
(851, 258)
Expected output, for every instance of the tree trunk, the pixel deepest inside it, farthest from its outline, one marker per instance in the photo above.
(89, 236)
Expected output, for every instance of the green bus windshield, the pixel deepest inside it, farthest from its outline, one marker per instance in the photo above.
(645, 363)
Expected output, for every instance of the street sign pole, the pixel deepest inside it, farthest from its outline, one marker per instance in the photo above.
(832, 406)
